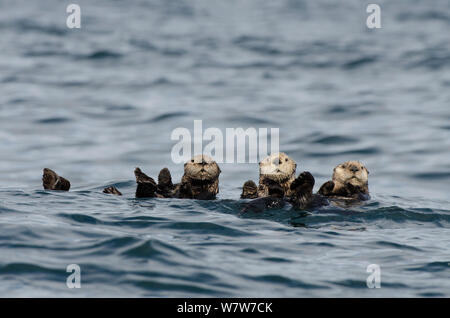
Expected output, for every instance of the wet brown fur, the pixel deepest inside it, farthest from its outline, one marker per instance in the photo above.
(200, 181)
(51, 181)
(350, 180)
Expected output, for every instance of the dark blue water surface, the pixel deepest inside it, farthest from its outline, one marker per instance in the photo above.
(94, 103)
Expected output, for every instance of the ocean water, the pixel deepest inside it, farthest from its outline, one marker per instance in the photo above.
(96, 102)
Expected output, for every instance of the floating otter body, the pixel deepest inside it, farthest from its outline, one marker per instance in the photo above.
(277, 181)
(200, 181)
(51, 181)
(349, 181)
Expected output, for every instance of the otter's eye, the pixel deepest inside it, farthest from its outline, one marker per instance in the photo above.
(192, 160)
(286, 159)
(279, 162)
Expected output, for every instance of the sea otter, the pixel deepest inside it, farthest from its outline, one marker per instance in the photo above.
(51, 181)
(274, 170)
(200, 181)
(350, 181)
(277, 183)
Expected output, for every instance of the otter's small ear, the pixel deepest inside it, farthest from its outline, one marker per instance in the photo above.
(367, 170)
(185, 164)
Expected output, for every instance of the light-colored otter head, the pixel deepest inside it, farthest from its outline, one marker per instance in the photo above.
(201, 168)
(351, 172)
(277, 167)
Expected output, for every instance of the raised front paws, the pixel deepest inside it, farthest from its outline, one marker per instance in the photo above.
(146, 186)
(249, 190)
(327, 188)
(305, 179)
(301, 189)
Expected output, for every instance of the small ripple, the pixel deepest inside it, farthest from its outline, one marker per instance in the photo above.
(355, 152)
(431, 267)
(81, 218)
(398, 246)
(318, 244)
(153, 249)
(250, 120)
(432, 175)
(334, 139)
(205, 228)
(26, 268)
(260, 45)
(363, 285)
(249, 250)
(155, 286)
(281, 280)
(431, 294)
(434, 58)
(53, 120)
(120, 108)
(101, 55)
(167, 116)
(28, 25)
(276, 260)
(362, 61)
(426, 15)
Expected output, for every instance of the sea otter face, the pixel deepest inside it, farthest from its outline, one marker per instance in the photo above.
(201, 168)
(277, 167)
(352, 172)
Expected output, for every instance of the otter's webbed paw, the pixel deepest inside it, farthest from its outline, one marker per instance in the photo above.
(165, 185)
(185, 191)
(356, 192)
(112, 190)
(327, 188)
(146, 186)
(249, 190)
(51, 181)
(275, 190)
(301, 189)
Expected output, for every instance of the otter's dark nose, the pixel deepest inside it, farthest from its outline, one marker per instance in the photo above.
(354, 169)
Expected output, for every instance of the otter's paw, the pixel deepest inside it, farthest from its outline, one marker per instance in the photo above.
(51, 181)
(112, 190)
(327, 188)
(301, 188)
(165, 179)
(185, 191)
(276, 190)
(146, 186)
(304, 179)
(249, 190)
(165, 185)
